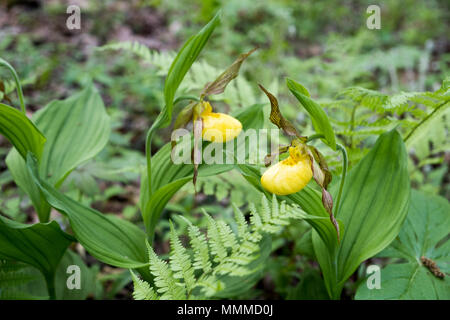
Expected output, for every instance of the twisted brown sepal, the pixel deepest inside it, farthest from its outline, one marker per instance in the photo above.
(322, 176)
(185, 115)
(196, 151)
(218, 86)
(327, 202)
(2, 89)
(277, 118)
(322, 173)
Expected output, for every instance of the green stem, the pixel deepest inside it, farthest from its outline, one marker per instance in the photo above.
(51, 286)
(352, 123)
(18, 85)
(424, 120)
(182, 98)
(315, 137)
(344, 173)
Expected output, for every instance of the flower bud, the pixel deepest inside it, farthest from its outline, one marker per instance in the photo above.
(219, 127)
(290, 175)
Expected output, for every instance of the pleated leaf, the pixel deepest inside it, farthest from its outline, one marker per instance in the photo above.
(41, 245)
(76, 129)
(374, 205)
(109, 239)
(20, 131)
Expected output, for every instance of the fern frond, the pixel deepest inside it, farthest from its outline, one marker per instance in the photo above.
(218, 250)
(142, 290)
(223, 252)
(180, 261)
(200, 248)
(167, 285)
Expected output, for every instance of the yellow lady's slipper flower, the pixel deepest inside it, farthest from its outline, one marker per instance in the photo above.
(219, 127)
(290, 175)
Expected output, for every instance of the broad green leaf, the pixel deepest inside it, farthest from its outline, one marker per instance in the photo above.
(41, 245)
(319, 118)
(107, 238)
(20, 131)
(251, 117)
(76, 129)
(424, 234)
(168, 178)
(374, 205)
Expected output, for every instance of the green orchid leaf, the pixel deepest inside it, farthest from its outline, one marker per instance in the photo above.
(20, 131)
(41, 245)
(76, 129)
(374, 205)
(319, 118)
(109, 239)
(424, 236)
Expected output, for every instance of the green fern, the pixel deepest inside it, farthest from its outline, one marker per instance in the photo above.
(227, 185)
(239, 93)
(366, 113)
(225, 251)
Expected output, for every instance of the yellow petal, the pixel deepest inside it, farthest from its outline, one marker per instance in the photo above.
(288, 176)
(220, 127)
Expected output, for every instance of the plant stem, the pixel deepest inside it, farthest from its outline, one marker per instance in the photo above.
(352, 123)
(315, 137)
(344, 173)
(424, 120)
(182, 98)
(18, 85)
(51, 286)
